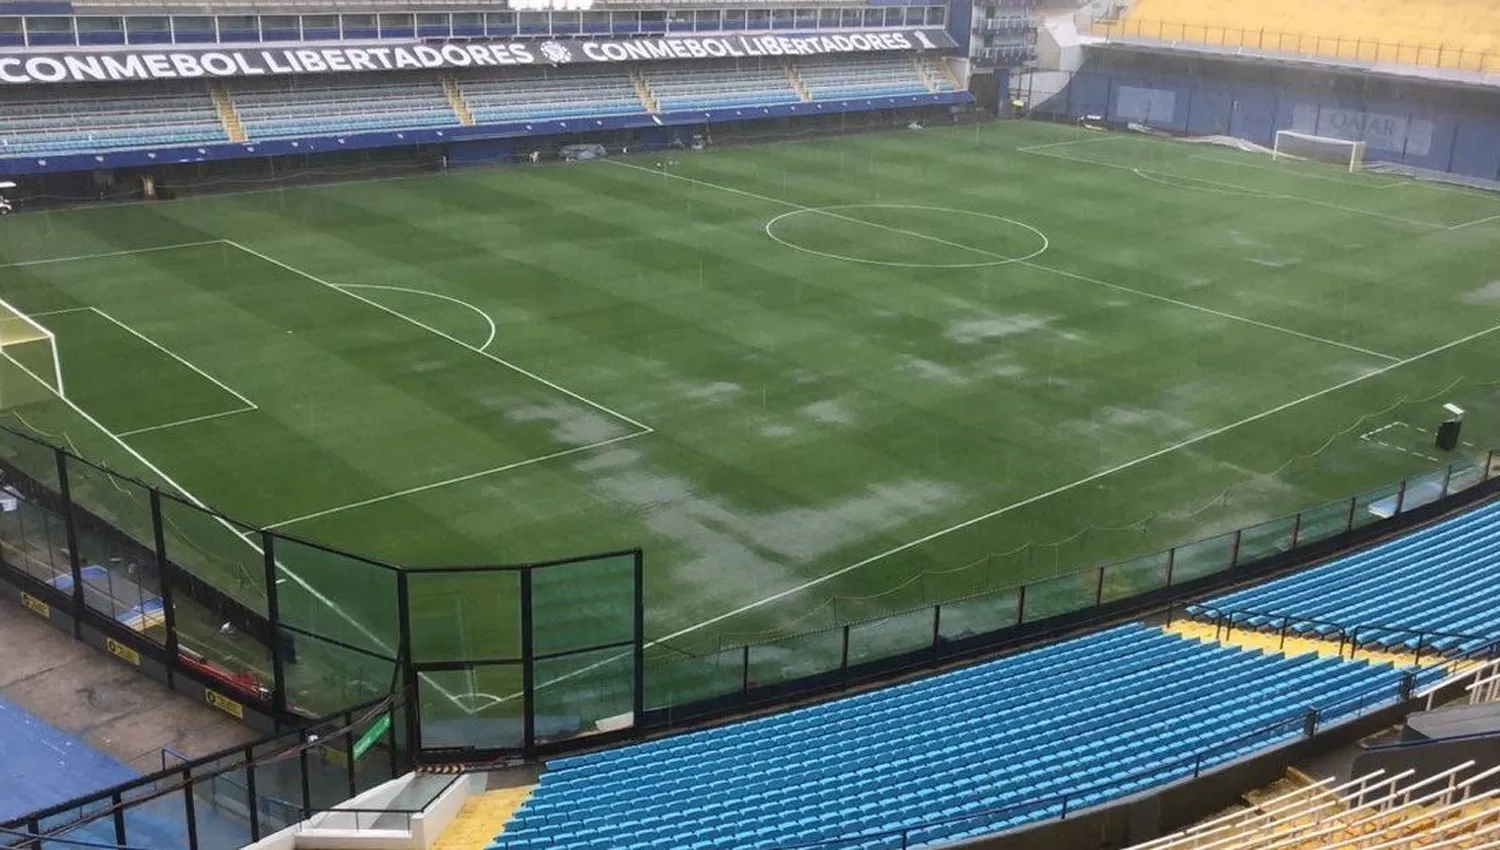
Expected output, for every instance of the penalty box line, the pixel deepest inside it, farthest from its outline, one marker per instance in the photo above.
(248, 539)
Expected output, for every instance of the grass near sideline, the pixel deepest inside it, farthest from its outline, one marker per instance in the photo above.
(816, 381)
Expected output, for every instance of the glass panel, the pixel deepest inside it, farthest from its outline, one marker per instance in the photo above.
(119, 570)
(583, 603)
(337, 596)
(1137, 575)
(683, 679)
(456, 616)
(480, 707)
(890, 636)
(215, 555)
(1323, 522)
(796, 657)
(584, 694)
(979, 615)
(1060, 595)
(1376, 505)
(161, 823)
(1203, 558)
(36, 25)
(322, 677)
(1264, 540)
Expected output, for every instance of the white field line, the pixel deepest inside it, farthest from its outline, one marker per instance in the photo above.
(1484, 220)
(1237, 188)
(61, 312)
(124, 253)
(1185, 184)
(1211, 311)
(1038, 266)
(189, 421)
(494, 331)
(328, 603)
(458, 480)
(164, 350)
(1099, 136)
(928, 538)
(1356, 183)
(453, 339)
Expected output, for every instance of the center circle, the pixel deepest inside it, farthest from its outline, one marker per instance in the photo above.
(843, 212)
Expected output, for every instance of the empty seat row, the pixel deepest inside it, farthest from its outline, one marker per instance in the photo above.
(1439, 587)
(1090, 719)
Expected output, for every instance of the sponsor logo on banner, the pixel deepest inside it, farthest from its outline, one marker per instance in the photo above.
(82, 66)
(223, 703)
(122, 652)
(36, 604)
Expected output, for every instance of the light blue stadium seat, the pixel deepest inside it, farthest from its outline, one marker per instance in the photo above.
(1439, 586)
(1094, 718)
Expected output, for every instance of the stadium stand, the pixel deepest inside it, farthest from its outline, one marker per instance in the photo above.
(1438, 587)
(1443, 811)
(1091, 719)
(102, 116)
(882, 77)
(1458, 25)
(721, 84)
(504, 96)
(293, 107)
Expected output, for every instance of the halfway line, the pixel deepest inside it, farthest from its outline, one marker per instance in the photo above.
(941, 241)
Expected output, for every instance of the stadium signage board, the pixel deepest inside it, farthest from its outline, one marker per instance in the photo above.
(81, 66)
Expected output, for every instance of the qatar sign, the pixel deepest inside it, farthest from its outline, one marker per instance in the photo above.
(82, 66)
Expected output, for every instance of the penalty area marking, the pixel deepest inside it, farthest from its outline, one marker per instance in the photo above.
(831, 212)
(460, 302)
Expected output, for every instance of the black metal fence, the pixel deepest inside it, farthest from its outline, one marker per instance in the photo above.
(675, 682)
(274, 629)
(230, 798)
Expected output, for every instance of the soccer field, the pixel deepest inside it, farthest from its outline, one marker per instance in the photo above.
(816, 381)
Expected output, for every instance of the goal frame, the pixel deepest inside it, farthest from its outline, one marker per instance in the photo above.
(10, 313)
(1356, 148)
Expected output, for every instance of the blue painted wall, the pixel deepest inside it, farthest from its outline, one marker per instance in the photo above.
(1427, 124)
(40, 765)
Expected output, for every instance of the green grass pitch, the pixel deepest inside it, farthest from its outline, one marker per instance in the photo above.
(817, 381)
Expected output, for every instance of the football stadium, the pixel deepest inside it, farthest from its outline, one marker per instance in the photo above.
(756, 424)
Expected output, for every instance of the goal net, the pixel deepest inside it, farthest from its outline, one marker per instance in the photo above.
(1291, 144)
(28, 352)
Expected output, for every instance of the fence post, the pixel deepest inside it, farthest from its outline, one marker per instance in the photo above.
(1296, 529)
(118, 807)
(1099, 589)
(528, 663)
(1286, 623)
(638, 700)
(1421, 637)
(1447, 479)
(71, 529)
(937, 629)
(168, 609)
(745, 670)
(1171, 562)
(190, 813)
(408, 671)
(844, 657)
(1021, 605)
(1489, 464)
(1408, 684)
(273, 613)
(252, 798)
(1234, 553)
(1310, 723)
(1400, 498)
(1349, 524)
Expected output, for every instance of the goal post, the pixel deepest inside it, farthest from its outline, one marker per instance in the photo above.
(1291, 144)
(28, 346)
